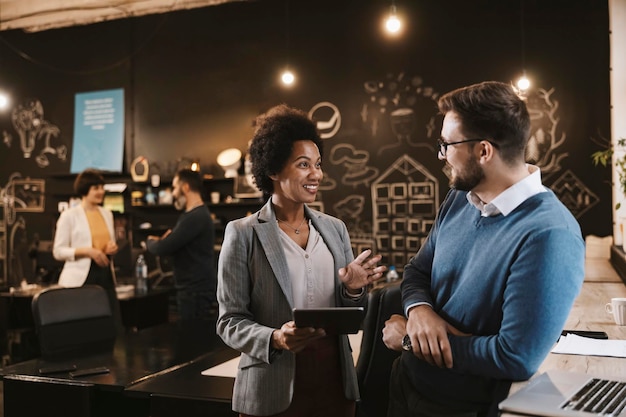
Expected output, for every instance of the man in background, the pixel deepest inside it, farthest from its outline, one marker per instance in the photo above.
(190, 243)
(488, 293)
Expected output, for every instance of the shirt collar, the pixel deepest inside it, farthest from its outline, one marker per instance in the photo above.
(509, 199)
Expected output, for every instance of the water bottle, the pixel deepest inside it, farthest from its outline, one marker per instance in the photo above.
(392, 274)
(141, 275)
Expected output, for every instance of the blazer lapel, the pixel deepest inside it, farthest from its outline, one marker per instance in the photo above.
(267, 233)
(329, 234)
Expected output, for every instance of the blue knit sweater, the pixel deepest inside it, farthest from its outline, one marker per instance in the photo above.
(509, 281)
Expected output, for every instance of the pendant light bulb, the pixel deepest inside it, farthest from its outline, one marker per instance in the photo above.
(523, 84)
(4, 100)
(393, 25)
(288, 78)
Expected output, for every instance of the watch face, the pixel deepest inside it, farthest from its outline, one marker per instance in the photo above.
(406, 343)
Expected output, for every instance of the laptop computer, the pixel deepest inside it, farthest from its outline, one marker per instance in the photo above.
(561, 393)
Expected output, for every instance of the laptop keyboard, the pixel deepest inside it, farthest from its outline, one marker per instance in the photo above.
(599, 396)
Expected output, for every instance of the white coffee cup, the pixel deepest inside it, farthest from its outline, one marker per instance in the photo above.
(215, 197)
(617, 307)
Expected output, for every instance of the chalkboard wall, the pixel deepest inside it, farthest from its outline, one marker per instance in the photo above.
(194, 80)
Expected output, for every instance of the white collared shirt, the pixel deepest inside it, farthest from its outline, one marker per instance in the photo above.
(512, 197)
(311, 270)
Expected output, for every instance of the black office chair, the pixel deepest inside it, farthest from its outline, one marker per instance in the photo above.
(375, 359)
(73, 322)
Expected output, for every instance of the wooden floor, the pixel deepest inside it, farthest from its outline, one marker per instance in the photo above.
(596, 269)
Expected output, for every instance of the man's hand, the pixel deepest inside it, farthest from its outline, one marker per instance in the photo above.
(394, 331)
(290, 337)
(429, 336)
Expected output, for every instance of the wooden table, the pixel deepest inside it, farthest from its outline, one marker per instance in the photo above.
(588, 313)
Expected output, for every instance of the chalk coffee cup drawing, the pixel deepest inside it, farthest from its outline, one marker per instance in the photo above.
(215, 197)
(617, 307)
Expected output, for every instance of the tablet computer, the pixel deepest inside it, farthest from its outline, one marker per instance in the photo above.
(335, 320)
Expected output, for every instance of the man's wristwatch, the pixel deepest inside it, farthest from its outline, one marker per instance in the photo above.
(406, 343)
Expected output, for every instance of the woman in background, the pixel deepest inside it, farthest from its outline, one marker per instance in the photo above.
(287, 256)
(85, 240)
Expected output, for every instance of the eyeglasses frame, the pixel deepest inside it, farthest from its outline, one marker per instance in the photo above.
(443, 146)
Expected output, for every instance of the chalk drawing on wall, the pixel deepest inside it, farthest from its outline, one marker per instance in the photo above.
(572, 192)
(7, 138)
(355, 161)
(545, 140)
(405, 200)
(15, 254)
(328, 118)
(327, 183)
(406, 104)
(19, 195)
(28, 121)
(543, 150)
(349, 210)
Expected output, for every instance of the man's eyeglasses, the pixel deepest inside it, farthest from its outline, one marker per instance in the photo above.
(443, 146)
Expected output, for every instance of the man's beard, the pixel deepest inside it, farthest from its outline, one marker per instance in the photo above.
(180, 202)
(469, 178)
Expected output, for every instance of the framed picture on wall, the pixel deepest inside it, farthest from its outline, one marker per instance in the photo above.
(245, 188)
(27, 194)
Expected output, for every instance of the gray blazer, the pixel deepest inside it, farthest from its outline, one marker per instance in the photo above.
(255, 297)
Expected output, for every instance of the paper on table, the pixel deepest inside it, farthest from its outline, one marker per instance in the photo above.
(578, 345)
(228, 369)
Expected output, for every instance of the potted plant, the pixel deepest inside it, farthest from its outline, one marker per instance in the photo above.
(604, 158)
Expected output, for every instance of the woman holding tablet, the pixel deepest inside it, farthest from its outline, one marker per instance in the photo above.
(287, 256)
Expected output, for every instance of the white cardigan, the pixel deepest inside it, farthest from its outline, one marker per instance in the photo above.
(73, 232)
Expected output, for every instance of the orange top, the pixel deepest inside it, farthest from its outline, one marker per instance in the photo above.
(99, 231)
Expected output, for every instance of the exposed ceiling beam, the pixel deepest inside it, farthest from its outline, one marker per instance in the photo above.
(37, 15)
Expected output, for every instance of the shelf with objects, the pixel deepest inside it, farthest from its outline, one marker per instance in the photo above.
(154, 211)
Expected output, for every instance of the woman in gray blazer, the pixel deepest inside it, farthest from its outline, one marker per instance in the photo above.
(284, 256)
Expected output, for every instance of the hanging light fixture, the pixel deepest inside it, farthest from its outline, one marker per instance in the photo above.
(523, 83)
(393, 24)
(287, 77)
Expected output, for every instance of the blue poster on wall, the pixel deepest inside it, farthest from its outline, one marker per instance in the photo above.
(98, 131)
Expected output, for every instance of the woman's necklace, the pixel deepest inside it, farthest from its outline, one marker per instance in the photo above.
(296, 230)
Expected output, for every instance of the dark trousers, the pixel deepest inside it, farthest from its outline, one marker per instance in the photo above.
(318, 387)
(102, 277)
(196, 304)
(406, 401)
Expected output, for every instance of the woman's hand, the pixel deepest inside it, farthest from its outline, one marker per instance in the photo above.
(290, 337)
(111, 248)
(99, 257)
(362, 271)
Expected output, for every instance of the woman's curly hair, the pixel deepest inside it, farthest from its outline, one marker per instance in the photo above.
(272, 143)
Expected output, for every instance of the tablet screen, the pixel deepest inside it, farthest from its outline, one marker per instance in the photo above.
(335, 320)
